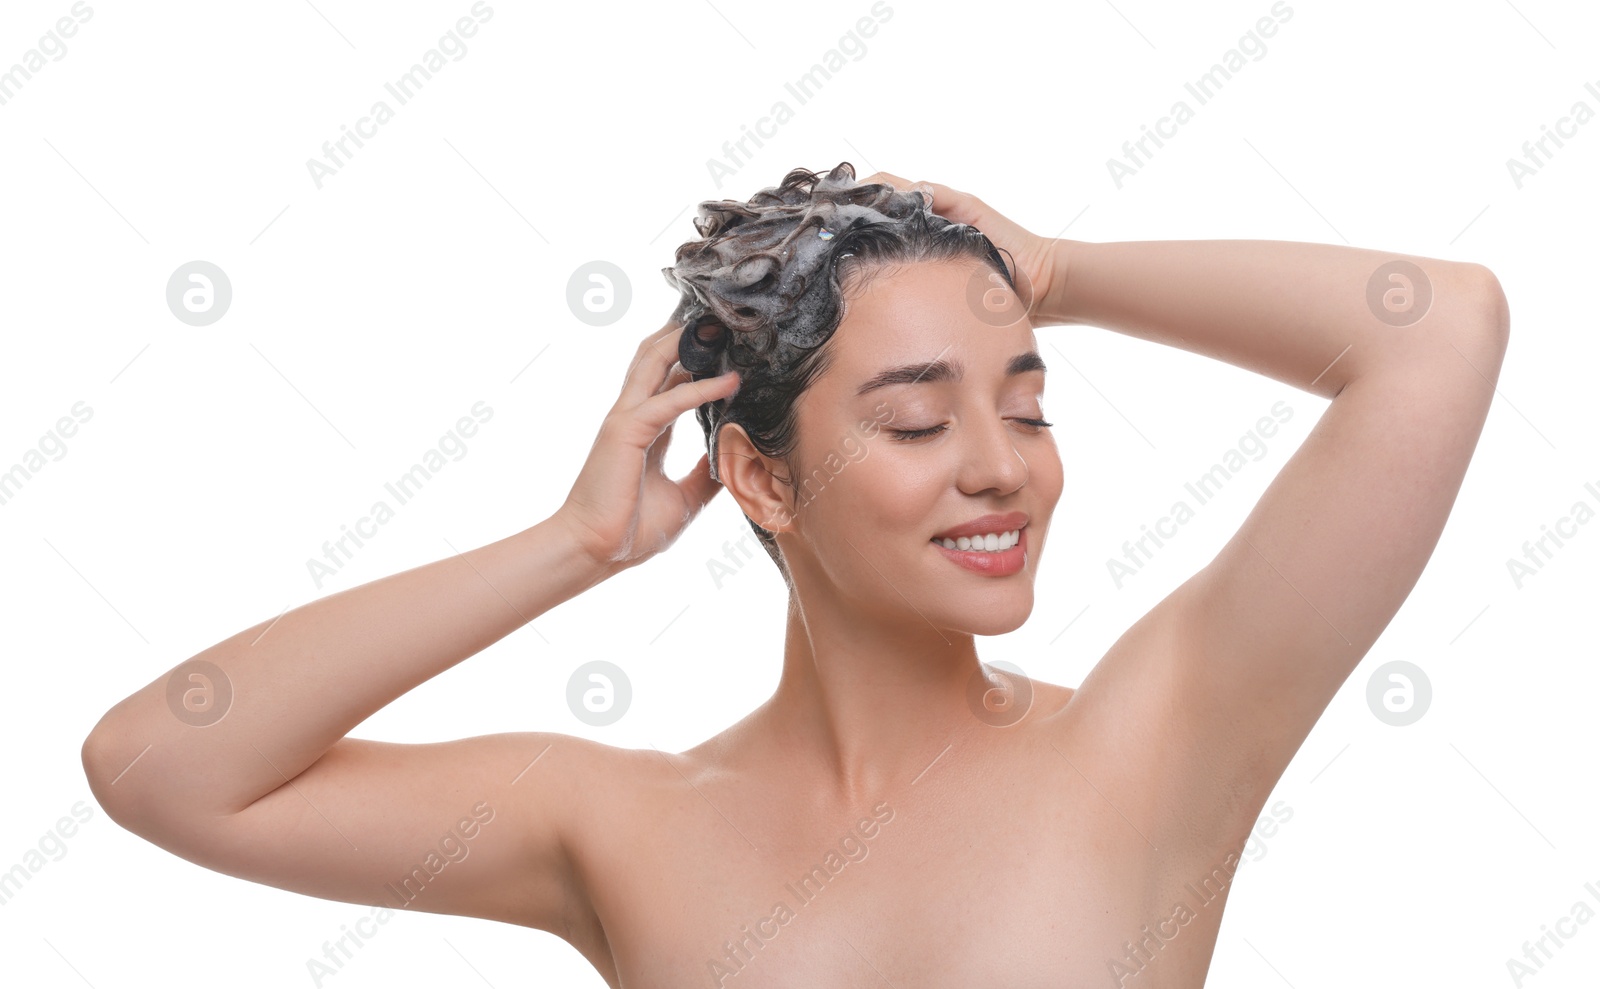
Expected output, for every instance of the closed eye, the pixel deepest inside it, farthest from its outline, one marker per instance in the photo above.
(913, 434)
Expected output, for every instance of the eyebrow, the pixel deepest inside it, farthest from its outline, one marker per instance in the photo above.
(942, 370)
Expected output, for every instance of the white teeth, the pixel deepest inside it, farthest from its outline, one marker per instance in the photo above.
(991, 543)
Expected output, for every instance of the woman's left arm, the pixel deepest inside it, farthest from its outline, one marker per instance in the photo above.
(1315, 316)
(1265, 634)
(1219, 684)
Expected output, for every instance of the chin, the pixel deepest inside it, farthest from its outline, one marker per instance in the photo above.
(997, 615)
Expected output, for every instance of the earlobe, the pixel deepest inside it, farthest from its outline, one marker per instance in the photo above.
(749, 478)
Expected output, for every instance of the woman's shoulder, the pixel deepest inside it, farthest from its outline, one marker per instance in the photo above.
(602, 768)
(1050, 699)
(1002, 695)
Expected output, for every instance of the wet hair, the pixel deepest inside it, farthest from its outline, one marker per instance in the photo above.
(762, 291)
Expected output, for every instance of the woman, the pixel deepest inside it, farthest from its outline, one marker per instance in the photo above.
(896, 813)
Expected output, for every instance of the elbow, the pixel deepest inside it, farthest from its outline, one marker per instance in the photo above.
(103, 749)
(1471, 320)
(129, 766)
(1490, 304)
(96, 756)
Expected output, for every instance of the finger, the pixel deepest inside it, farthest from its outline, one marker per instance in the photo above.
(886, 178)
(654, 414)
(900, 184)
(697, 486)
(964, 207)
(940, 198)
(649, 365)
(676, 375)
(655, 355)
(657, 453)
(953, 204)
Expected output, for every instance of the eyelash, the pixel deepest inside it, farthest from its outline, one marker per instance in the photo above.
(912, 434)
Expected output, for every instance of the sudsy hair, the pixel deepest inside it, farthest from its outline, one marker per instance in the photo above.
(764, 288)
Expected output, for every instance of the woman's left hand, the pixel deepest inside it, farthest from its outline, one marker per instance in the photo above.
(1042, 278)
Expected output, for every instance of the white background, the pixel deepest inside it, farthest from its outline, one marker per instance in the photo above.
(369, 315)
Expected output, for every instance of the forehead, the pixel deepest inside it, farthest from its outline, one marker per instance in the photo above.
(912, 312)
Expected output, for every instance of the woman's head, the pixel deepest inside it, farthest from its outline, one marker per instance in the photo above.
(813, 288)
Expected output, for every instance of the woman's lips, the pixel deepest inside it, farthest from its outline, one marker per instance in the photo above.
(1002, 563)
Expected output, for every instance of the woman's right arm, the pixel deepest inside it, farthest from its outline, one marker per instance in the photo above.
(275, 792)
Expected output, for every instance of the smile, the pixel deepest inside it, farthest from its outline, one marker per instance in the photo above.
(993, 555)
(992, 543)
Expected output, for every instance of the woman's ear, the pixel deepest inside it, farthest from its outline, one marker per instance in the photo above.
(750, 478)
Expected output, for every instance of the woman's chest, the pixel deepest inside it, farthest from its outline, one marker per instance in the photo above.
(1014, 885)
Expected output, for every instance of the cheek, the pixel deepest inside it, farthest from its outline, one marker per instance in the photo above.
(893, 491)
(863, 487)
(1051, 474)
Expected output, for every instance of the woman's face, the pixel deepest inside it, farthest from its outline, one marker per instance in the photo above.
(918, 427)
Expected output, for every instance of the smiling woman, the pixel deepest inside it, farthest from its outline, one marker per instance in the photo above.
(1039, 831)
(769, 291)
(766, 288)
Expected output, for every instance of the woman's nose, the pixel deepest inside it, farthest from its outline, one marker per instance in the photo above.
(990, 460)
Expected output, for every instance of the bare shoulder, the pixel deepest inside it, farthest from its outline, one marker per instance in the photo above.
(603, 797)
(612, 771)
(1124, 729)
(1022, 697)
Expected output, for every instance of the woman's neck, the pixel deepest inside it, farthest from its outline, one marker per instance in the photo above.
(867, 702)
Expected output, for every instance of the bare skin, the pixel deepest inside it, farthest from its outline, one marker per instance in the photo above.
(950, 850)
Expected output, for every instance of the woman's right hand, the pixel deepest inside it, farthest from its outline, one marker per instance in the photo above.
(622, 508)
